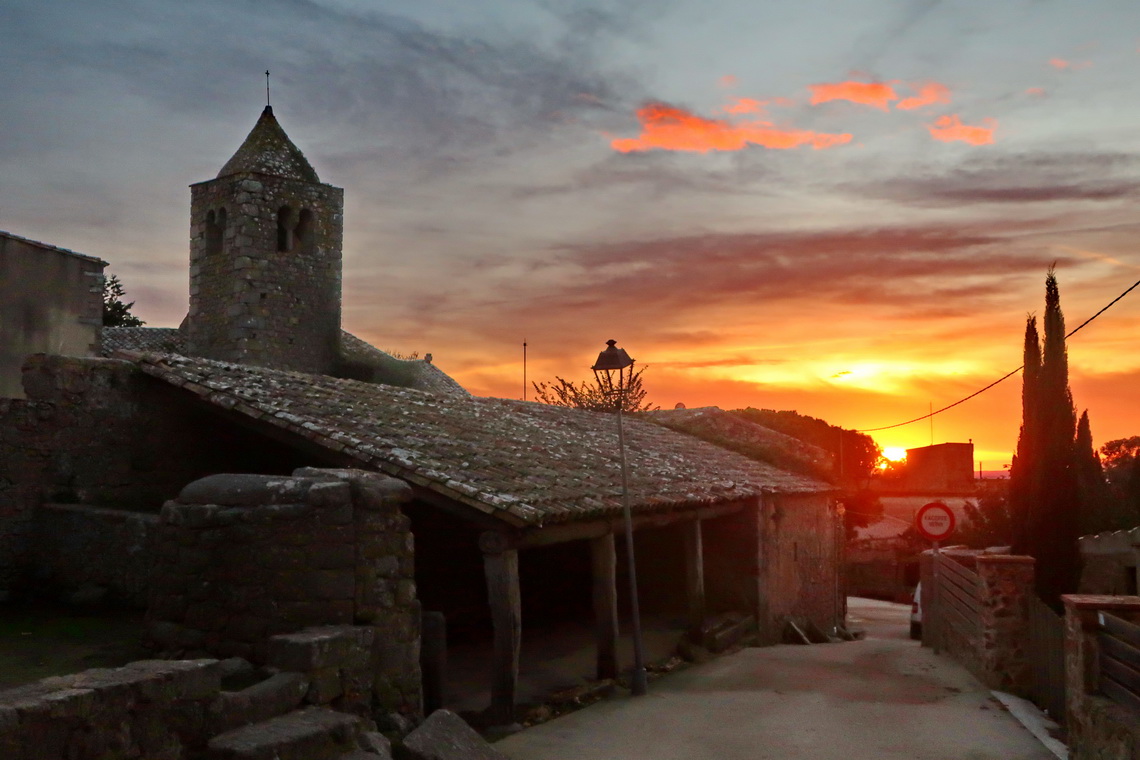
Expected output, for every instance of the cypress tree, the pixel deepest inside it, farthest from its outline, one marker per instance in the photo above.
(1096, 504)
(1045, 491)
(1024, 487)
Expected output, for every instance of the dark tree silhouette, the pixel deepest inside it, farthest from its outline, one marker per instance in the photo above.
(115, 312)
(1044, 492)
(600, 395)
(1121, 460)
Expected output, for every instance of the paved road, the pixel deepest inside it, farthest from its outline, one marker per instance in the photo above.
(880, 698)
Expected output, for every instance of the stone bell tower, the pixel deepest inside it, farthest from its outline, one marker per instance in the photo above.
(265, 258)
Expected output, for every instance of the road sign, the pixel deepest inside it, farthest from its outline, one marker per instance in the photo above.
(935, 521)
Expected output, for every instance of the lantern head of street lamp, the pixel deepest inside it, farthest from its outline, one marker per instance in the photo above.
(613, 358)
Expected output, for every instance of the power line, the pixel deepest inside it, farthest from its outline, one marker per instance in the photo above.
(1002, 378)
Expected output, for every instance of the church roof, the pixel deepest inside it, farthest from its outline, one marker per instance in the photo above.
(385, 368)
(268, 150)
(525, 463)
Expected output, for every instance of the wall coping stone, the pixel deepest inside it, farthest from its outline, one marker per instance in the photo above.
(1101, 602)
(244, 490)
(1006, 559)
(121, 515)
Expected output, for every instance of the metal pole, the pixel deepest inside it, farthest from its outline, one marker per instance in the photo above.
(935, 613)
(639, 682)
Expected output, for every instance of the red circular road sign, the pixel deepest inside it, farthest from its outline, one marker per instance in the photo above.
(935, 521)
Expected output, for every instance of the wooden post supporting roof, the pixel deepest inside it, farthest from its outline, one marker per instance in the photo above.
(694, 576)
(603, 562)
(501, 566)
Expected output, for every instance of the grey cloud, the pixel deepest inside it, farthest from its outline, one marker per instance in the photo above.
(1025, 178)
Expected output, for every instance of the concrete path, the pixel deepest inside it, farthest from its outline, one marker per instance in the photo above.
(881, 698)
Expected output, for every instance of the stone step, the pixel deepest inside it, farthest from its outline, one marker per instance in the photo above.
(314, 733)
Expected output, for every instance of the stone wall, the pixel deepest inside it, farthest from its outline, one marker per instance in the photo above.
(255, 296)
(779, 560)
(100, 432)
(309, 702)
(50, 301)
(93, 554)
(1098, 729)
(996, 649)
(242, 558)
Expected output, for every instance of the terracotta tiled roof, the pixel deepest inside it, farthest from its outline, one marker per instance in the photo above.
(167, 340)
(385, 368)
(268, 150)
(523, 462)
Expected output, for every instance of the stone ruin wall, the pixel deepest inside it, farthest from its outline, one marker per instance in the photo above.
(242, 558)
(250, 302)
(99, 433)
(91, 431)
(305, 703)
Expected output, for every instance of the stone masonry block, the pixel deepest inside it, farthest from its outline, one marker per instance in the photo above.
(320, 647)
(445, 736)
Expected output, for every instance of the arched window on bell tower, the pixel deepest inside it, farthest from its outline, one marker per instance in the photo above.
(286, 228)
(215, 231)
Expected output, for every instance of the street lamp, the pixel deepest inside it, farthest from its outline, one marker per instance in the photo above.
(612, 360)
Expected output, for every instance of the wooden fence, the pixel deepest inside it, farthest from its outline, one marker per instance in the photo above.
(957, 604)
(1047, 658)
(1119, 643)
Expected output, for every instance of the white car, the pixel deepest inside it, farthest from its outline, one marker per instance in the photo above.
(916, 613)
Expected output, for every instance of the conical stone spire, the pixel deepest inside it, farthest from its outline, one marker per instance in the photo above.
(268, 150)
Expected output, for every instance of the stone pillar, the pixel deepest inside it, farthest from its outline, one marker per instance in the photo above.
(1006, 588)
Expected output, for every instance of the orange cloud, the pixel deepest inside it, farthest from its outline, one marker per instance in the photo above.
(728, 80)
(1061, 63)
(928, 94)
(951, 129)
(875, 94)
(666, 127)
(1036, 91)
(744, 105)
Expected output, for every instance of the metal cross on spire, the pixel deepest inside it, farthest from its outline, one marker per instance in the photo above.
(267, 87)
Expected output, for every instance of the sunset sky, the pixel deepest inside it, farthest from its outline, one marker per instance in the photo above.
(842, 208)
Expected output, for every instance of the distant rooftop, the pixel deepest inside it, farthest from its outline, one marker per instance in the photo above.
(49, 247)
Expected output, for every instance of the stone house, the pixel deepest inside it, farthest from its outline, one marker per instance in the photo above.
(513, 506)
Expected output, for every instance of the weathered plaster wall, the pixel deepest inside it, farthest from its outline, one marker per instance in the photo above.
(1111, 562)
(250, 301)
(802, 541)
(50, 301)
(242, 558)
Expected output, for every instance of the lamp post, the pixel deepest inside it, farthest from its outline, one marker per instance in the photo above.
(612, 360)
